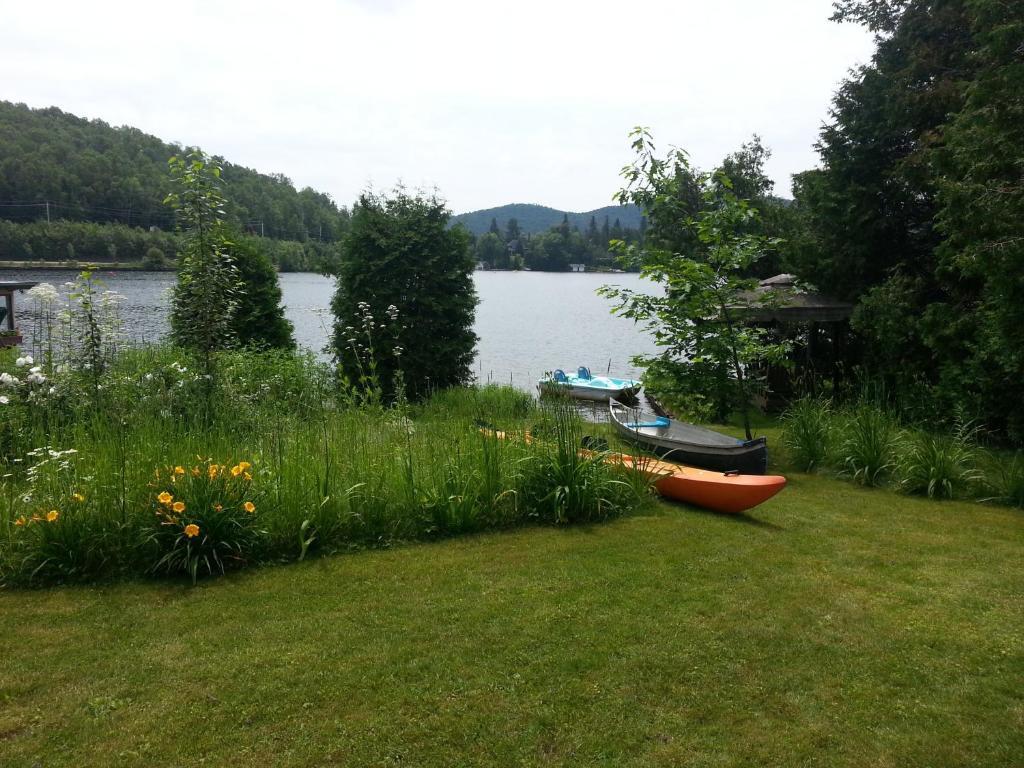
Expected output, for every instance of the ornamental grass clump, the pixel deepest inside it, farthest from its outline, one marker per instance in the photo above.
(809, 433)
(1004, 480)
(204, 518)
(939, 467)
(868, 444)
(562, 484)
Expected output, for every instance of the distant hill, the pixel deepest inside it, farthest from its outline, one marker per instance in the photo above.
(539, 218)
(59, 166)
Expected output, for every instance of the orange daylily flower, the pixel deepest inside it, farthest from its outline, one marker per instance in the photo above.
(191, 530)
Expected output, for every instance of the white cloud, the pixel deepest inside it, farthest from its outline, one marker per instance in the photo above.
(492, 102)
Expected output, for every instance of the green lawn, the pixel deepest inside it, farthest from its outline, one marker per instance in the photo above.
(834, 626)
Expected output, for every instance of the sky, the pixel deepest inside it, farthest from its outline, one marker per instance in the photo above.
(489, 102)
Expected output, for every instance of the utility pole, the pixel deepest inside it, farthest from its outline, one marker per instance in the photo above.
(261, 227)
(47, 211)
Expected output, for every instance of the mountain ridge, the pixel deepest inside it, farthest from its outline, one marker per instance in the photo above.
(534, 219)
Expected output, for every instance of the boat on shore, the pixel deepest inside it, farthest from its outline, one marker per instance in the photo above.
(689, 444)
(729, 492)
(583, 386)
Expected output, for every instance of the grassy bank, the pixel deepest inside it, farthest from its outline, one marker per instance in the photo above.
(836, 626)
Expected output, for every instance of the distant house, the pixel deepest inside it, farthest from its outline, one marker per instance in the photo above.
(577, 268)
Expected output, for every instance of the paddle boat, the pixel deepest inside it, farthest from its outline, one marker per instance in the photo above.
(583, 386)
(689, 444)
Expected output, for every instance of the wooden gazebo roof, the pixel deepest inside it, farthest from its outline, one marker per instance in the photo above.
(780, 299)
(10, 287)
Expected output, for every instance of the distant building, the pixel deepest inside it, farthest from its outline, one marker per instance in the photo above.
(577, 268)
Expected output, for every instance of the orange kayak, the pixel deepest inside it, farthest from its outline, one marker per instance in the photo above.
(704, 488)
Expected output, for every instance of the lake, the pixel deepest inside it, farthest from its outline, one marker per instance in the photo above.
(528, 322)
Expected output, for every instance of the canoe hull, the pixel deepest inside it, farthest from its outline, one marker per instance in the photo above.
(746, 457)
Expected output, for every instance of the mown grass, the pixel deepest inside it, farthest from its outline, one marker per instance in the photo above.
(834, 626)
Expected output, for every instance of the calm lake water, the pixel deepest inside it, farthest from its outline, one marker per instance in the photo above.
(528, 322)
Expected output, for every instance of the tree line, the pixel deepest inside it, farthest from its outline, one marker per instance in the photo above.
(78, 241)
(552, 251)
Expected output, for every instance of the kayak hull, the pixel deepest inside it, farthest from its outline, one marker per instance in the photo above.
(717, 491)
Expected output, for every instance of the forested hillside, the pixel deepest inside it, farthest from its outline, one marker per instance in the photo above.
(534, 219)
(58, 166)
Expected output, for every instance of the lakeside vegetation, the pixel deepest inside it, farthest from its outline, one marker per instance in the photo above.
(552, 612)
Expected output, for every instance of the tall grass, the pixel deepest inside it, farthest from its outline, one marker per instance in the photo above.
(326, 477)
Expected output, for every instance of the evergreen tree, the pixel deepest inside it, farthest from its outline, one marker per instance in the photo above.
(259, 320)
(405, 294)
(494, 227)
(512, 231)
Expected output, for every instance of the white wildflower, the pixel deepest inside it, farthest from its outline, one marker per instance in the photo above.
(4, 399)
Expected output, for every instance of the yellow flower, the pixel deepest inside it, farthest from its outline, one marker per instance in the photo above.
(165, 498)
(244, 465)
(179, 506)
(249, 506)
(191, 530)
(78, 497)
(20, 521)
(52, 516)
(248, 476)
(217, 507)
(236, 471)
(179, 470)
(195, 471)
(211, 471)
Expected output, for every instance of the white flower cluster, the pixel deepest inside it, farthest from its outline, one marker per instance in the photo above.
(34, 379)
(44, 293)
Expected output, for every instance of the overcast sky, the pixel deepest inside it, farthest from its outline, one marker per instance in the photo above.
(491, 102)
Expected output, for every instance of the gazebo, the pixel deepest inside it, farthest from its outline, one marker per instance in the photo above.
(9, 336)
(780, 303)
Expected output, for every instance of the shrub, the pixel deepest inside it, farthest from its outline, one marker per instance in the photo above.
(868, 443)
(809, 433)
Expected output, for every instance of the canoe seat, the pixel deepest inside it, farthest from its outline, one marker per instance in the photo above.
(659, 423)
